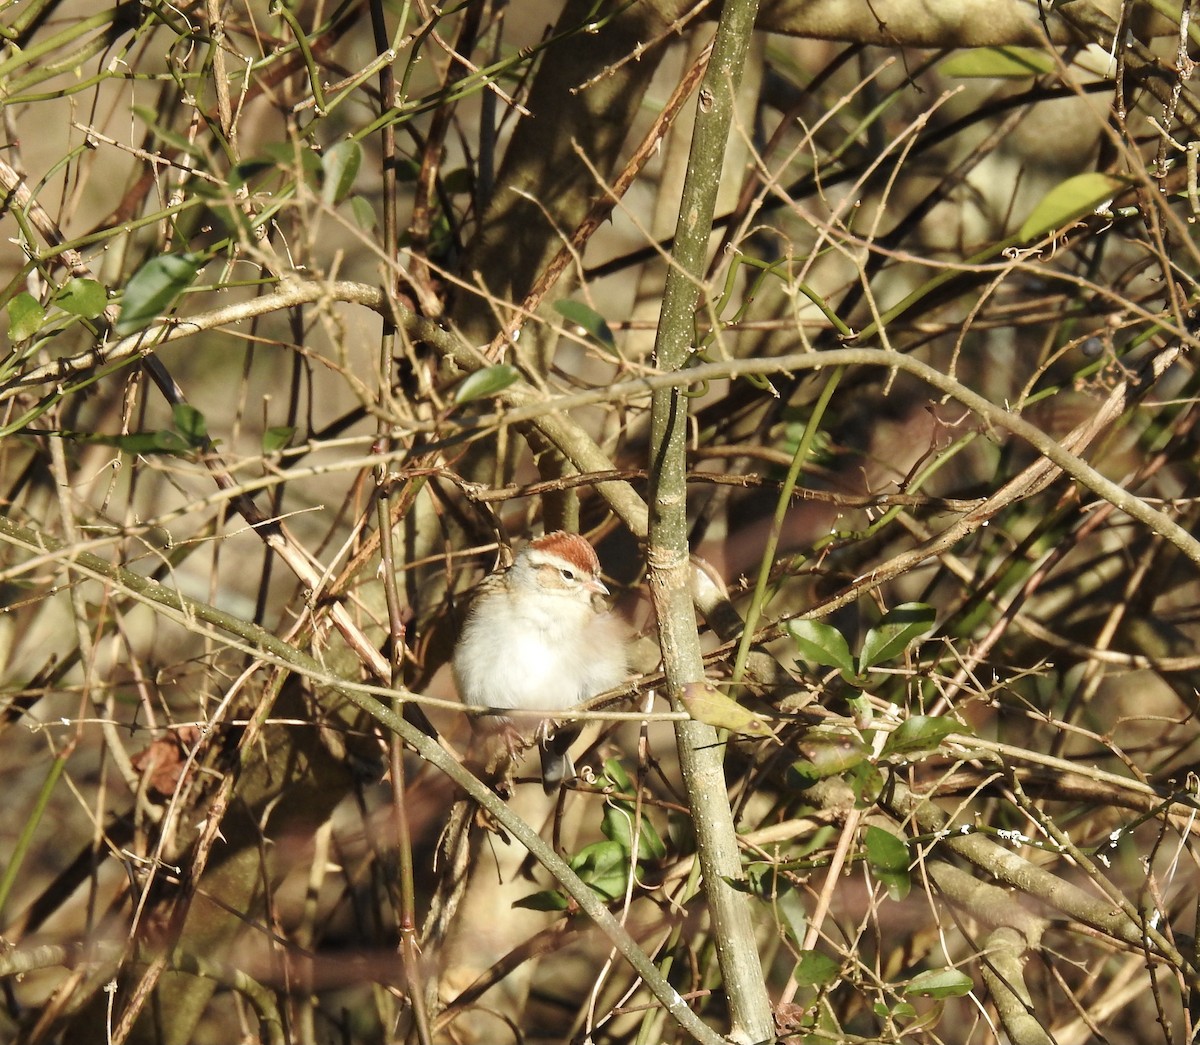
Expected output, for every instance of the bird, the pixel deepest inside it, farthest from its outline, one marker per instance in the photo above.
(539, 636)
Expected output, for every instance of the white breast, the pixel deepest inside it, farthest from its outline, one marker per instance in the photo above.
(548, 657)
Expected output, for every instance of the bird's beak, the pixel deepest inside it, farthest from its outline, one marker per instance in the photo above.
(596, 586)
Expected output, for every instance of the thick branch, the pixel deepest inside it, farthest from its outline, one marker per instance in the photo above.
(924, 23)
(700, 751)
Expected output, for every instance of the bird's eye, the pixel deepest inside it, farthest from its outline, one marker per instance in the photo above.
(567, 574)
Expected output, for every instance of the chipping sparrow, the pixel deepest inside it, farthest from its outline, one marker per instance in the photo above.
(538, 637)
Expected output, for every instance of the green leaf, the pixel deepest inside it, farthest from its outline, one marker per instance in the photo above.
(243, 172)
(821, 643)
(706, 703)
(815, 969)
(940, 983)
(364, 213)
(1005, 63)
(458, 182)
(827, 755)
(153, 290)
(190, 423)
(489, 381)
(82, 297)
(605, 867)
(614, 774)
(25, 317)
(617, 826)
(277, 438)
(407, 170)
(892, 635)
(790, 905)
(593, 324)
(548, 900)
(866, 783)
(286, 155)
(919, 734)
(888, 857)
(886, 852)
(862, 709)
(161, 442)
(1068, 201)
(339, 168)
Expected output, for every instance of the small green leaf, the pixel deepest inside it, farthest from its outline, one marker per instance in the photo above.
(681, 831)
(243, 172)
(815, 969)
(821, 643)
(605, 867)
(593, 324)
(826, 755)
(940, 983)
(548, 900)
(706, 703)
(886, 852)
(919, 734)
(888, 857)
(489, 381)
(892, 635)
(25, 317)
(286, 156)
(339, 168)
(866, 783)
(862, 709)
(161, 442)
(617, 826)
(1004, 63)
(790, 905)
(1068, 201)
(407, 170)
(458, 182)
(82, 297)
(190, 423)
(364, 213)
(616, 776)
(153, 290)
(618, 815)
(277, 438)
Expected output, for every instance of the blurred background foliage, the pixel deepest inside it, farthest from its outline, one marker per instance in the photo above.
(278, 278)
